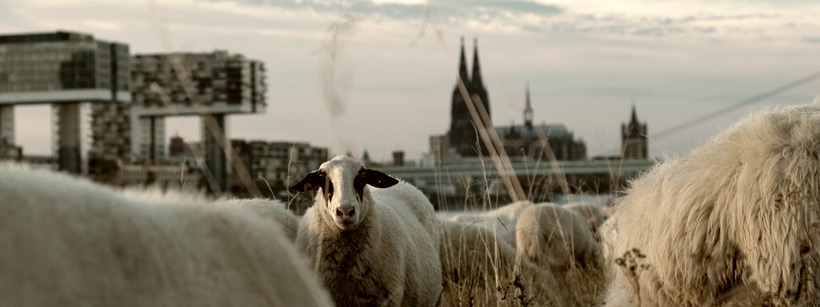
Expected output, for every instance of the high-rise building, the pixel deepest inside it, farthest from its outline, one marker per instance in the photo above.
(211, 85)
(67, 70)
(634, 139)
(463, 128)
(278, 163)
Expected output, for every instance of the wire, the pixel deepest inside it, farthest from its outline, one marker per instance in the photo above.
(683, 126)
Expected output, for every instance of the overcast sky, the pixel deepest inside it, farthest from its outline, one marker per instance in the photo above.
(586, 62)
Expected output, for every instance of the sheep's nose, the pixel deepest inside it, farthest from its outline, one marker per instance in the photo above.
(345, 212)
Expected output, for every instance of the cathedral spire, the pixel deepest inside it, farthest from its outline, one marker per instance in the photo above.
(462, 67)
(528, 114)
(476, 67)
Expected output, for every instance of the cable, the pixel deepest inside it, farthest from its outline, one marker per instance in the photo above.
(680, 127)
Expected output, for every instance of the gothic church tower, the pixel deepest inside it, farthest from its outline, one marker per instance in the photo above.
(634, 140)
(462, 127)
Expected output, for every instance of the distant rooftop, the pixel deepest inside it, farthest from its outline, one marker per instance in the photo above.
(59, 36)
(524, 132)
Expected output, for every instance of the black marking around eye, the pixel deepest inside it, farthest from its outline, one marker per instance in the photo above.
(359, 182)
(329, 190)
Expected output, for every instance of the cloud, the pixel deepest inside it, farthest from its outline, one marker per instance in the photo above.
(446, 9)
(812, 39)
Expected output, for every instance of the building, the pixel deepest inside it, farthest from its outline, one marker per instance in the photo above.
(9, 151)
(530, 140)
(278, 163)
(526, 140)
(177, 147)
(80, 77)
(462, 134)
(634, 139)
(210, 85)
(163, 174)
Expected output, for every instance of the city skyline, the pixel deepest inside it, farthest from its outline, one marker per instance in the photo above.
(586, 62)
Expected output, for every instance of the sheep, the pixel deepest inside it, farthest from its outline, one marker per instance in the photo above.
(502, 219)
(734, 223)
(591, 213)
(275, 211)
(608, 234)
(552, 237)
(270, 209)
(371, 247)
(479, 269)
(67, 241)
(608, 211)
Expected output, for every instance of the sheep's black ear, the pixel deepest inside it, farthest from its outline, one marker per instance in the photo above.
(311, 181)
(378, 179)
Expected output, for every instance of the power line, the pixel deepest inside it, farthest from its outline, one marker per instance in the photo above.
(683, 126)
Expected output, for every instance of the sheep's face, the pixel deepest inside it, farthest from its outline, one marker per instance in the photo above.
(344, 196)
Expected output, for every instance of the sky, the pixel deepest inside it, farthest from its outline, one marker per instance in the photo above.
(378, 75)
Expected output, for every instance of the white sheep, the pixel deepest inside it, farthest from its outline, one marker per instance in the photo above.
(502, 219)
(275, 211)
(608, 211)
(371, 247)
(608, 234)
(478, 269)
(267, 208)
(69, 242)
(734, 223)
(553, 237)
(591, 213)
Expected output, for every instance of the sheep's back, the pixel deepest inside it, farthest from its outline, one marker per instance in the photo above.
(405, 207)
(70, 242)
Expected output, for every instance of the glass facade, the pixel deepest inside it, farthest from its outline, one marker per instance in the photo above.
(62, 61)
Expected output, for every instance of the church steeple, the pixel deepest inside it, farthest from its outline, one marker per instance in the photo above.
(634, 138)
(528, 114)
(462, 67)
(476, 81)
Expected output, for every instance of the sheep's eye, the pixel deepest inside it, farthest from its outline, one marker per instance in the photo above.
(359, 183)
(329, 190)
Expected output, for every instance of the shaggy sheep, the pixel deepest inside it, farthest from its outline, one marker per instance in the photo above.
(371, 247)
(591, 213)
(275, 211)
(552, 237)
(475, 267)
(734, 223)
(608, 211)
(69, 242)
(608, 234)
(267, 208)
(502, 219)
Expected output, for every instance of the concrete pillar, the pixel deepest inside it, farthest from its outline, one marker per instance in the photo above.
(71, 136)
(217, 160)
(7, 124)
(152, 138)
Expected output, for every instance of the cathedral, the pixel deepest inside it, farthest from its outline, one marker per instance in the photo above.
(527, 139)
(463, 136)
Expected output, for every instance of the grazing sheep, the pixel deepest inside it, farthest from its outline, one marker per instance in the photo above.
(69, 242)
(267, 208)
(502, 219)
(275, 211)
(552, 237)
(371, 247)
(734, 223)
(608, 234)
(608, 211)
(479, 270)
(591, 213)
